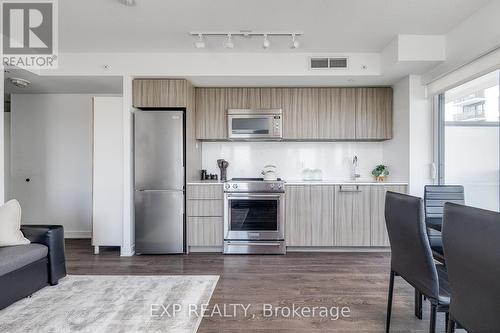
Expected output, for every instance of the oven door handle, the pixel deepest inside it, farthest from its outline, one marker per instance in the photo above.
(252, 196)
(254, 243)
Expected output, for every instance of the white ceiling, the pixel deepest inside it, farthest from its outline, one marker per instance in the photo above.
(328, 25)
(63, 84)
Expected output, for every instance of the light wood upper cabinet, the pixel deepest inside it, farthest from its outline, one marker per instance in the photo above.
(309, 215)
(352, 215)
(211, 113)
(271, 98)
(337, 114)
(308, 113)
(300, 113)
(243, 98)
(155, 93)
(373, 113)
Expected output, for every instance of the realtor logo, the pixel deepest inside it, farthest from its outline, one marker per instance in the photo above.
(29, 32)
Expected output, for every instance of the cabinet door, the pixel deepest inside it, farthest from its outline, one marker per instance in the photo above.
(322, 215)
(205, 231)
(378, 234)
(352, 215)
(337, 113)
(271, 98)
(374, 113)
(309, 215)
(297, 215)
(211, 119)
(300, 113)
(159, 93)
(243, 98)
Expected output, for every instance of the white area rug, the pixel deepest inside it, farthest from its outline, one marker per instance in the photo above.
(96, 303)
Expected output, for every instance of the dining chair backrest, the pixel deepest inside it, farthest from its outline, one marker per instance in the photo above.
(411, 255)
(471, 239)
(435, 196)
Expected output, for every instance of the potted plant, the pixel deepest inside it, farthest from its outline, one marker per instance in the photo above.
(380, 172)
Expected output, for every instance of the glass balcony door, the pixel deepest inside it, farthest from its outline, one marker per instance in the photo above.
(469, 140)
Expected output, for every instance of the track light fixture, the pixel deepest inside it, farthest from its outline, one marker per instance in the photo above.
(266, 43)
(200, 43)
(129, 3)
(228, 42)
(295, 43)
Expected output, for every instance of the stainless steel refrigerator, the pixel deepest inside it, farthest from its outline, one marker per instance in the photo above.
(159, 181)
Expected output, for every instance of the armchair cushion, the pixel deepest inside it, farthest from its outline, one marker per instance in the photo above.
(51, 236)
(15, 257)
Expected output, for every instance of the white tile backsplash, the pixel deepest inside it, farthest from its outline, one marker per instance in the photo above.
(246, 159)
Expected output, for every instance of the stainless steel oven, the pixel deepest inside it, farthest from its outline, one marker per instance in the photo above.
(254, 124)
(254, 217)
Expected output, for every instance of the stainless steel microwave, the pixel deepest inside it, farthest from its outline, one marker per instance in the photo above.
(254, 124)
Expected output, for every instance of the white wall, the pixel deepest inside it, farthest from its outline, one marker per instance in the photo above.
(420, 137)
(107, 198)
(52, 145)
(246, 159)
(6, 128)
(396, 151)
(409, 154)
(475, 36)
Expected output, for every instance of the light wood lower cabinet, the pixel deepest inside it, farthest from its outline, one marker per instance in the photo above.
(205, 208)
(205, 231)
(309, 215)
(378, 233)
(352, 215)
(334, 215)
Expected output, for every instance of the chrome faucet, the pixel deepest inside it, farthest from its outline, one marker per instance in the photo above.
(355, 174)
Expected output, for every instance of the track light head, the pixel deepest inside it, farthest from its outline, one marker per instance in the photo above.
(129, 3)
(295, 43)
(266, 42)
(228, 42)
(200, 43)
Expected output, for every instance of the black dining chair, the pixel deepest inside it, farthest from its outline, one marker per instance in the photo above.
(411, 255)
(435, 196)
(471, 239)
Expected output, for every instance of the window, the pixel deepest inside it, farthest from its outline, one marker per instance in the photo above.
(469, 140)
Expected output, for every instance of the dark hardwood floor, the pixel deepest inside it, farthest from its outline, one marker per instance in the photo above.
(355, 280)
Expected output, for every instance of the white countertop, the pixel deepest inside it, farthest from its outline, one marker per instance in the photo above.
(309, 182)
(205, 182)
(340, 182)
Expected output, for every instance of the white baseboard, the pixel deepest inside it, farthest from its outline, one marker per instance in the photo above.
(77, 234)
(126, 251)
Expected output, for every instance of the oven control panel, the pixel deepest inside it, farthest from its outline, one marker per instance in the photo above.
(254, 187)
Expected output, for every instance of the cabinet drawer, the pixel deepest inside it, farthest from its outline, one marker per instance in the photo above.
(205, 192)
(205, 207)
(205, 231)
